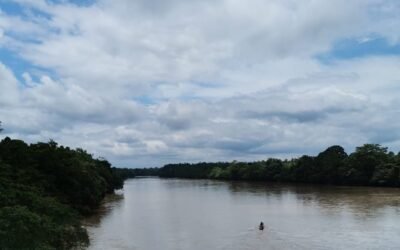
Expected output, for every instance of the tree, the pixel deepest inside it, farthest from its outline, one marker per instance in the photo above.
(362, 163)
(0, 127)
(329, 163)
(386, 174)
(304, 169)
(273, 170)
(44, 190)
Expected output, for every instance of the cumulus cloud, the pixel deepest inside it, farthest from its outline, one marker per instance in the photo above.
(9, 86)
(144, 83)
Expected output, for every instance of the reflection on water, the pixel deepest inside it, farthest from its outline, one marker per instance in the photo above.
(152, 213)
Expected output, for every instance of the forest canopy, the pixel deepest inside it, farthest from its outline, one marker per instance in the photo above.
(370, 164)
(45, 189)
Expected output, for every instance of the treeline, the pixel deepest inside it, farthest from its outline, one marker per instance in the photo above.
(45, 189)
(145, 171)
(126, 173)
(370, 164)
(123, 173)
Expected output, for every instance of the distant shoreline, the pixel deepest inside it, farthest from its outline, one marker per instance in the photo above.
(368, 165)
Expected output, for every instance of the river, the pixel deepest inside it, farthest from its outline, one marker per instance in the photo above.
(177, 214)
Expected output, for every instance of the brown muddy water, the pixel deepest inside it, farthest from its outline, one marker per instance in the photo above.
(176, 214)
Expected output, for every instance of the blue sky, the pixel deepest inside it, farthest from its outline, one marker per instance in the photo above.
(149, 82)
(353, 48)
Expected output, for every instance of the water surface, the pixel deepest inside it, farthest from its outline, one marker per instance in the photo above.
(176, 214)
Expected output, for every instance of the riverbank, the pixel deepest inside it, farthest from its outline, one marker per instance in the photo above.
(368, 165)
(45, 191)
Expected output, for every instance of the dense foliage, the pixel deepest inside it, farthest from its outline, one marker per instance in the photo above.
(370, 164)
(145, 171)
(44, 191)
(125, 173)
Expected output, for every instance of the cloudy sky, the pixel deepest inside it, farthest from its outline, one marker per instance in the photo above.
(149, 82)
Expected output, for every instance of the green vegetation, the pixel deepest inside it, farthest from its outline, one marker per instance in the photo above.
(370, 164)
(45, 189)
(125, 173)
(144, 171)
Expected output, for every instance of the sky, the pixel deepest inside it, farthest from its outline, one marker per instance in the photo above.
(149, 82)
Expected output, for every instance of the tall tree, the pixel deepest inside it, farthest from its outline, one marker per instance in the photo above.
(329, 163)
(362, 163)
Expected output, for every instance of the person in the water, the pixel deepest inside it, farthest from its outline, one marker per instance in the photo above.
(261, 226)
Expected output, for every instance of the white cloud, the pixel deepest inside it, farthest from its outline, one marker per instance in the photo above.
(9, 94)
(150, 82)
